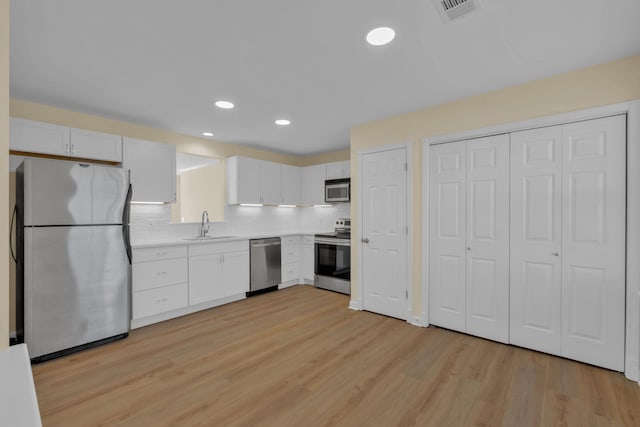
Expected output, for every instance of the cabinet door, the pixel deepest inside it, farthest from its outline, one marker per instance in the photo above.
(447, 235)
(487, 222)
(153, 170)
(86, 144)
(337, 170)
(271, 183)
(593, 241)
(244, 177)
(36, 137)
(291, 185)
(308, 262)
(235, 273)
(313, 184)
(205, 273)
(536, 197)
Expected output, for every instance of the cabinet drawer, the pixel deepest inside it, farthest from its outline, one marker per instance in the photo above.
(290, 254)
(308, 240)
(290, 271)
(289, 241)
(157, 253)
(218, 248)
(155, 301)
(154, 274)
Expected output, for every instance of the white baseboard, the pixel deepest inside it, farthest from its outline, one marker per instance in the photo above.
(355, 304)
(288, 284)
(138, 323)
(418, 321)
(631, 370)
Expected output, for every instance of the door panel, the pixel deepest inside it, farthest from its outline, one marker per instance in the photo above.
(487, 219)
(535, 276)
(447, 275)
(77, 286)
(593, 229)
(384, 257)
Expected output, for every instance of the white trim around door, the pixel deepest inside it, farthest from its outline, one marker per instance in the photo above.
(358, 303)
(632, 110)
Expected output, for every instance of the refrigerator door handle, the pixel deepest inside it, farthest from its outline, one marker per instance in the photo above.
(125, 223)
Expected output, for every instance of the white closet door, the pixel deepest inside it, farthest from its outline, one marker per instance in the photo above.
(487, 218)
(447, 236)
(536, 239)
(593, 229)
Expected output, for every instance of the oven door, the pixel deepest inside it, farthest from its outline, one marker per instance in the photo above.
(333, 258)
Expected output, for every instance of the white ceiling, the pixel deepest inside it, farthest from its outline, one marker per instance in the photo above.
(163, 63)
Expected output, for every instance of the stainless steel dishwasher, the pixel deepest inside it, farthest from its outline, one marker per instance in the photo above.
(266, 269)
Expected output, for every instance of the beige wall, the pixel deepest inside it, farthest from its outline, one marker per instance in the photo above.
(4, 170)
(198, 189)
(603, 84)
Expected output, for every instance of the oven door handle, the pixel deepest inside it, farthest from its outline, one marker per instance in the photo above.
(336, 242)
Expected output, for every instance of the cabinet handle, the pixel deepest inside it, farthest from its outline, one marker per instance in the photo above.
(73, 149)
(161, 254)
(365, 240)
(161, 273)
(556, 254)
(468, 248)
(162, 300)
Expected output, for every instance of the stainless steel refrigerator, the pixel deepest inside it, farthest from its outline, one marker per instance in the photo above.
(74, 255)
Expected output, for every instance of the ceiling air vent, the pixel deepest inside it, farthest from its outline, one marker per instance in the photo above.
(450, 10)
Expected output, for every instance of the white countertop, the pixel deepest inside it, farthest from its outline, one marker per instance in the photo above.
(246, 236)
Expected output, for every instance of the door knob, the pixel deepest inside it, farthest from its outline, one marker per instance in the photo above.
(365, 240)
(556, 254)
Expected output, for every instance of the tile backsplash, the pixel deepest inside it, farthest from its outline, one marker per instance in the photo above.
(153, 222)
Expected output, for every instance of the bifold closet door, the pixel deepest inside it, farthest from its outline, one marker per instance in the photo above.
(536, 239)
(487, 217)
(447, 237)
(469, 236)
(593, 242)
(568, 202)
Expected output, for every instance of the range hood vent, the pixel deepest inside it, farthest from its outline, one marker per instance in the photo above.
(450, 10)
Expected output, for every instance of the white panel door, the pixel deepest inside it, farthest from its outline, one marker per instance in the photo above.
(447, 233)
(487, 225)
(150, 184)
(291, 185)
(87, 144)
(384, 213)
(205, 275)
(593, 239)
(536, 239)
(235, 274)
(271, 180)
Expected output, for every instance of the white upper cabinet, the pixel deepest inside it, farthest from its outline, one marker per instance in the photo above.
(337, 170)
(291, 185)
(44, 138)
(153, 170)
(271, 181)
(313, 184)
(253, 181)
(87, 144)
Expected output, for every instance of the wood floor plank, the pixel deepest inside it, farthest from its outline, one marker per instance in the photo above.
(299, 357)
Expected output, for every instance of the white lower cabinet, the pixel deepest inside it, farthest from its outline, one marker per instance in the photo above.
(290, 260)
(159, 280)
(308, 259)
(218, 270)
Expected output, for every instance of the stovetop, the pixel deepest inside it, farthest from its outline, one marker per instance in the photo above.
(336, 235)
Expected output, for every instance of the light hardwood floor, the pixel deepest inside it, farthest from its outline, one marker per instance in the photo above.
(299, 357)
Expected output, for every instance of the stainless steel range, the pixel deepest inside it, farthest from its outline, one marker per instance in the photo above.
(333, 258)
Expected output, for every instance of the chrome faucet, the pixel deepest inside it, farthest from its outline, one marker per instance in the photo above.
(204, 230)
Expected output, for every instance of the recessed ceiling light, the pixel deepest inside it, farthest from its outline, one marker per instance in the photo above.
(283, 122)
(207, 134)
(380, 36)
(224, 104)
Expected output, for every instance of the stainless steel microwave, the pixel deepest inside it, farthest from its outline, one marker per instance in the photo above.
(337, 190)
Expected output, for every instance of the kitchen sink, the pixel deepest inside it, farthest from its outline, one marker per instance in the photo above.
(199, 238)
